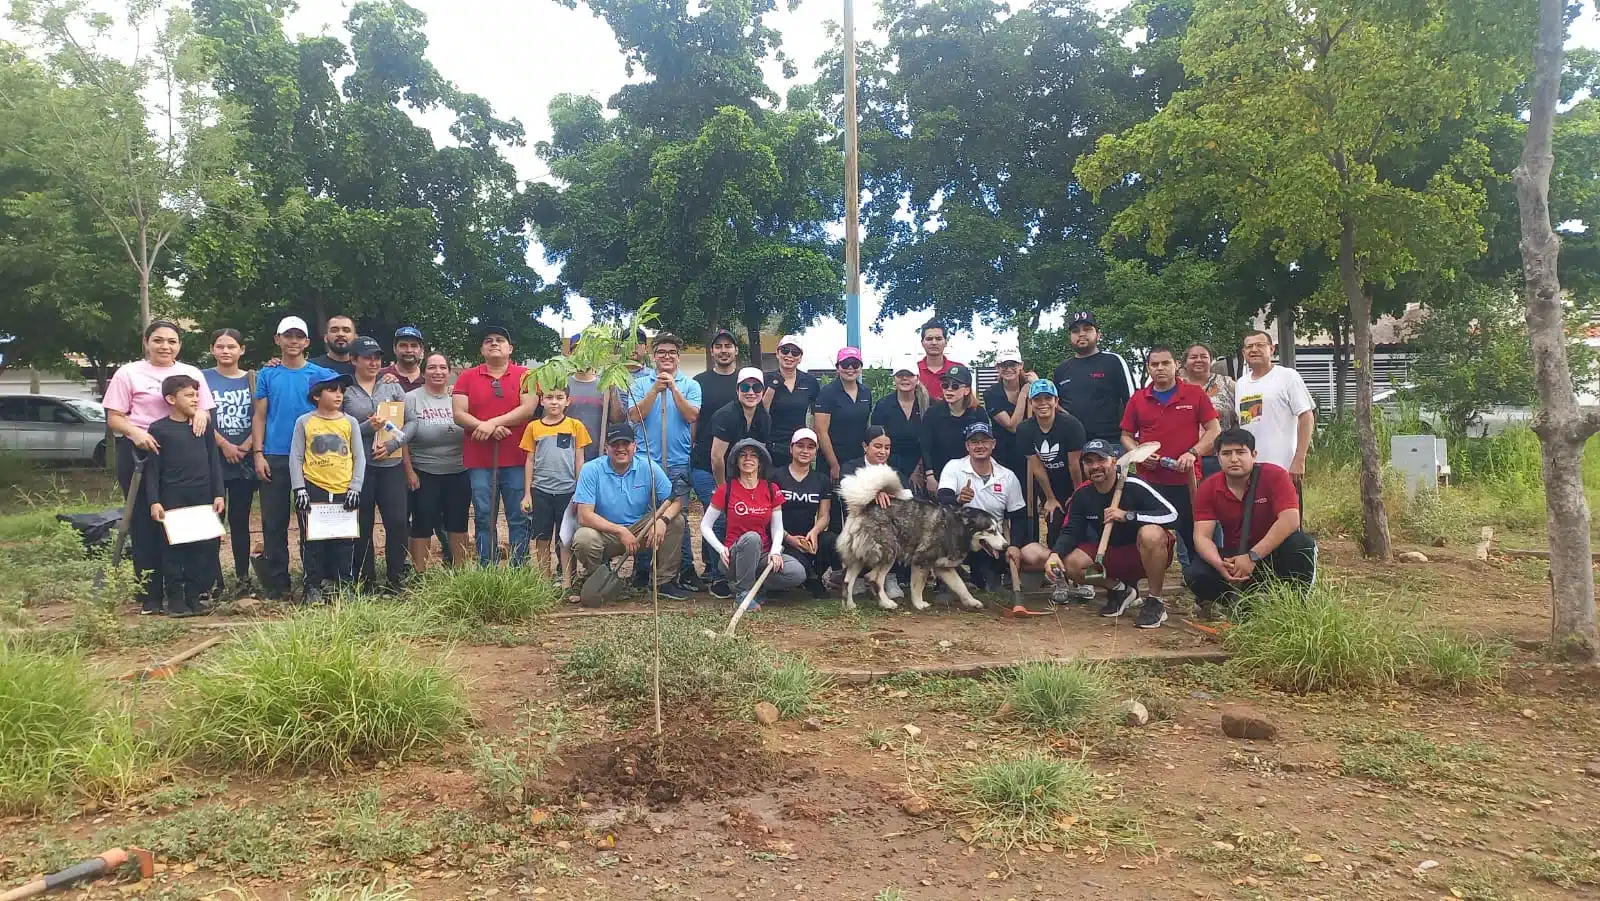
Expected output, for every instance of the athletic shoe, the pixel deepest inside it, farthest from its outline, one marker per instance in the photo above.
(314, 596)
(1118, 599)
(721, 589)
(1153, 614)
(691, 581)
(1081, 593)
(1061, 593)
(891, 587)
(673, 591)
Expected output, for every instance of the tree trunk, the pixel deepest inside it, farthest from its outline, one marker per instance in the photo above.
(144, 298)
(1374, 519)
(1341, 367)
(752, 326)
(1562, 427)
(1286, 338)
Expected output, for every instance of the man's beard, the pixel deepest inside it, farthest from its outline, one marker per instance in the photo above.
(338, 345)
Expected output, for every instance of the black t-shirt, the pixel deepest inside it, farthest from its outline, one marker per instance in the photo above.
(801, 498)
(789, 408)
(729, 424)
(716, 392)
(944, 436)
(1006, 448)
(1095, 389)
(343, 367)
(905, 434)
(1085, 514)
(848, 427)
(188, 470)
(1052, 447)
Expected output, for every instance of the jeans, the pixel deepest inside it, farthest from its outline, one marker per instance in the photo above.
(382, 492)
(704, 485)
(1295, 560)
(275, 508)
(681, 484)
(508, 481)
(746, 560)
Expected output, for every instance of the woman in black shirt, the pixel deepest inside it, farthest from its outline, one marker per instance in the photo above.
(843, 407)
(900, 416)
(877, 448)
(791, 393)
(944, 426)
(807, 503)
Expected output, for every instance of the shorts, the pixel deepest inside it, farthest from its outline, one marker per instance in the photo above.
(440, 500)
(547, 512)
(1123, 562)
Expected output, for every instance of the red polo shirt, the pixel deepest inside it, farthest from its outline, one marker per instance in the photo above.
(477, 386)
(1176, 424)
(1214, 501)
(930, 378)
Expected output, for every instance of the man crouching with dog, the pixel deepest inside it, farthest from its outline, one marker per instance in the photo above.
(1139, 547)
(977, 481)
(615, 517)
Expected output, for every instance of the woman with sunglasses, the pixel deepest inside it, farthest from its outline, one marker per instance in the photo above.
(742, 418)
(791, 394)
(843, 407)
(944, 426)
(900, 416)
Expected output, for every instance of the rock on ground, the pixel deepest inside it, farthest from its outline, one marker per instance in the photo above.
(1134, 713)
(1238, 722)
(766, 714)
(1412, 557)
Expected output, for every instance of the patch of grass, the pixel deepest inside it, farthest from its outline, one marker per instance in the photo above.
(473, 595)
(1233, 850)
(1567, 859)
(369, 892)
(1453, 664)
(252, 840)
(366, 834)
(892, 893)
(1402, 757)
(1028, 800)
(1475, 882)
(1068, 697)
(61, 735)
(879, 739)
(792, 686)
(319, 690)
(508, 771)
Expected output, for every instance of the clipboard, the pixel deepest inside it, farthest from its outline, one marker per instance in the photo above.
(326, 522)
(186, 525)
(394, 411)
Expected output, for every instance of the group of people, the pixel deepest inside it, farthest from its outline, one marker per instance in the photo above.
(764, 453)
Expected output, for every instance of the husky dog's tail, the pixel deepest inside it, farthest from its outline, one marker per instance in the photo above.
(860, 488)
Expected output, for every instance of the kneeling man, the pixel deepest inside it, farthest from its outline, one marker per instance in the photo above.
(614, 513)
(1259, 510)
(977, 481)
(1140, 546)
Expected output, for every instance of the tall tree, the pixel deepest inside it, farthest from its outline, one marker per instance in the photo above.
(1562, 426)
(1291, 112)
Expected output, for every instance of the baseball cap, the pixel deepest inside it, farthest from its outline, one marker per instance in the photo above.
(619, 432)
(1042, 386)
(407, 331)
(290, 323)
(1101, 448)
(906, 364)
(803, 433)
(1008, 354)
(1081, 317)
(790, 341)
(848, 353)
(750, 372)
(364, 346)
(342, 381)
(485, 331)
(957, 373)
(572, 342)
(721, 333)
(979, 429)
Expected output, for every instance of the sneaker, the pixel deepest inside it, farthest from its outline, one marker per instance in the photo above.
(721, 589)
(1083, 594)
(314, 596)
(833, 580)
(1061, 593)
(891, 587)
(691, 581)
(672, 591)
(1118, 599)
(1153, 614)
(815, 588)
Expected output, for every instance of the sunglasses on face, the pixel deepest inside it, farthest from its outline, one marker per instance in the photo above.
(951, 386)
(750, 387)
(850, 364)
(789, 351)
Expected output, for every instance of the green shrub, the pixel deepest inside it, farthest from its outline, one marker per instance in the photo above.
(1069, 697)
(59, 734)
(319, 690)
(1444, 661)
(791, 686)
(1023, 801)
(474, 595)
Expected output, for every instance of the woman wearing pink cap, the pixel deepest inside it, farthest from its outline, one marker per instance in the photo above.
(843, 407)
(791, 393)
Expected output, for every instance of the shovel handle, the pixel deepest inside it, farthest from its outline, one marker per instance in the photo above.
(1105, 527)
(748, 596)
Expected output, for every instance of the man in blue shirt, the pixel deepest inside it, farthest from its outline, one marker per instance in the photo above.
(280, 400)
(680, 395)
(614, 513)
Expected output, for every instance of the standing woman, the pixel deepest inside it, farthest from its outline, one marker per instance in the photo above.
(1219, 387)
(133, 401)
(944, 426)
(754, 508)
(843, 408)
(791, 393)
(900, 417)
(1007, 403)
(232, 388)
(434, 466)
(383, 491)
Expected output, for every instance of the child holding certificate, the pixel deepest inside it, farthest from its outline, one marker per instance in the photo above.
(186, 471)
(326, 464)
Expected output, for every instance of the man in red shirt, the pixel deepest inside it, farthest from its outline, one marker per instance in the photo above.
(489, 406)
(1179, 416)
(934, 364)
(1271, 545)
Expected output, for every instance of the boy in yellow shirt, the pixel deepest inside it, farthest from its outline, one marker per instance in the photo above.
(325, 462)
(556, 444)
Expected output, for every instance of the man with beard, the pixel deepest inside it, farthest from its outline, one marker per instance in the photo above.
(977, 481)
(488, 406)
(407, 366)
(336, 340)
(1093, 385)
(718, 388)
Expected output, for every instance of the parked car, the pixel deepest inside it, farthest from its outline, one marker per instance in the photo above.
(1492, 421)
(51, 427)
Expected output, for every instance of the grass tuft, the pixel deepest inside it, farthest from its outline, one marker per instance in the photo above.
(1028, 800)
(1069, 697)
(473, 595)
(320, 690)
(791, 686)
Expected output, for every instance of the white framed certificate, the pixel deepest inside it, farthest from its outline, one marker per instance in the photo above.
(329, 521)
(186, 525)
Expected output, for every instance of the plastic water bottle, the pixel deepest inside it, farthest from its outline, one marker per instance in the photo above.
(1168, 462)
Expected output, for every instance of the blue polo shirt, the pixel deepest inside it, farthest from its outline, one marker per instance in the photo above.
(623, 499)
(285, 391)
(680, 431)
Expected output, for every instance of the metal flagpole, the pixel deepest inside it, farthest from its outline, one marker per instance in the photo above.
(852, 188)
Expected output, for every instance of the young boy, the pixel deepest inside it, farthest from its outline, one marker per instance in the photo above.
(185, 472)
(325, 462)
(557, 443)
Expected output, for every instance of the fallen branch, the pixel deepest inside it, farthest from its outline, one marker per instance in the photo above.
(168, 667)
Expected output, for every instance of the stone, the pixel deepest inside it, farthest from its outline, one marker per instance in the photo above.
(766, 714)
(812, 724)
(1134, 713)
(1238, 722)
(916, 805)
(911, 730)
(246, 606)
(1412, 557)
(1592, 770)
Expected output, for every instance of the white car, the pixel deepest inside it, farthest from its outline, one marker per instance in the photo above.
(52, 427)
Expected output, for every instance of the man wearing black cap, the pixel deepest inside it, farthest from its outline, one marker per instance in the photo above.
(613, 496)
(1094, 385)
(1140, 545)
(407, 365)
(977, 481)
(719, 387)
(944, 425)
(488, 406)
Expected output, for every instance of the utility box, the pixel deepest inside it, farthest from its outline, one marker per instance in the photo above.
(1421, 460)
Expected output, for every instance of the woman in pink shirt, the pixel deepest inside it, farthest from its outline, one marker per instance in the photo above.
(133, 401)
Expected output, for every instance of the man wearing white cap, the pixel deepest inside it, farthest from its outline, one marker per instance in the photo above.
(791, 394)
(281, 398)
(843, 407)
(900, 415)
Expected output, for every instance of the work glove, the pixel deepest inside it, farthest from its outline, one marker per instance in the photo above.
(302, 500)
(352, 500)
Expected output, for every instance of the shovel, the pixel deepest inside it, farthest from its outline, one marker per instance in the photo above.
(748, 597)
(1125, 465)
(1017, 607)
(93, 868)
(139, 460)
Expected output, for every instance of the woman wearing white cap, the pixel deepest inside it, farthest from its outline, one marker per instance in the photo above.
(743, 417)
(791, 393)
(807, 504)
(900, 416)
(1007, 403)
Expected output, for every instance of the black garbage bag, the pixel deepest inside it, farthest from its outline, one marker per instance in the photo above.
(95, 529)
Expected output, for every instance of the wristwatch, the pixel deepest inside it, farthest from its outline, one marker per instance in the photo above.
(1254, 557)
